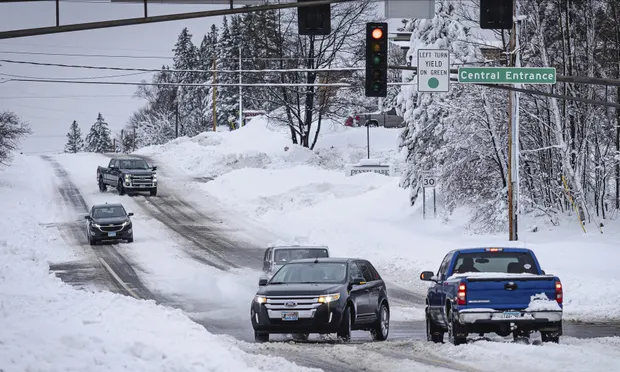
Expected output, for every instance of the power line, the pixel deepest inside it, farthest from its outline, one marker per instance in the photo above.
(63, 97)
(83, 55)
(335, 85)
(92, 67)
(75, 78)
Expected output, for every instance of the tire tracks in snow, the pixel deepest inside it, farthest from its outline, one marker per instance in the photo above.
(117, 268)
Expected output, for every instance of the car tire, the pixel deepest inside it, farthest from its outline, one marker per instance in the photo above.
(550, 337)
(433, 332)
(453, 327)
(102, 186)
(300, 336)
(344, 333)
(382, 328)
(92, 241)
(153, 192)
(120, 188)
(261, 337)
(130, 240)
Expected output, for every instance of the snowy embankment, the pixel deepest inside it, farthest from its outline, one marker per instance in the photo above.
(48, 325)
(297, 192)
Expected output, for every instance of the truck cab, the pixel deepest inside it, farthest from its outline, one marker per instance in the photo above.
(492, 290)
(278, 255)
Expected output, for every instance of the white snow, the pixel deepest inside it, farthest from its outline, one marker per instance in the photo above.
(298, 192)
(496, 275)
(50, 326)
(540, 302)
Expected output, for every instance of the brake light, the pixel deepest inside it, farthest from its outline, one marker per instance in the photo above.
(493, 249)
(462, 294)
(558, 292)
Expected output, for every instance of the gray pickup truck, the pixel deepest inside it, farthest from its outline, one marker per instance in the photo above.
(128, 175)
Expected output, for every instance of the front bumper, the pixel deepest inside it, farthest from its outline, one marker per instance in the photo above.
(140, 183)
(122, 234)
(325, 318)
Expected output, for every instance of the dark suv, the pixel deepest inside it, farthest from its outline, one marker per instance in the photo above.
(109, 222)
(322, 295)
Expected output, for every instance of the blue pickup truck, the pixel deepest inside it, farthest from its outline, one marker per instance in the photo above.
(492, 290)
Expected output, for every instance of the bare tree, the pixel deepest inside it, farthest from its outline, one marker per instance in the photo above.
(12, 129)
(308, 106)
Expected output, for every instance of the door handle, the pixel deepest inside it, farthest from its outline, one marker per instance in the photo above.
(366, 290)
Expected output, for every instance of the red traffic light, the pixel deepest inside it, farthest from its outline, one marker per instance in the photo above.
(377, 33)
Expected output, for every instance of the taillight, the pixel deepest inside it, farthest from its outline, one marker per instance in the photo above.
(461, 295)
(558, 292)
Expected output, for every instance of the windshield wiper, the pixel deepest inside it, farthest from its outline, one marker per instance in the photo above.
(276, 283)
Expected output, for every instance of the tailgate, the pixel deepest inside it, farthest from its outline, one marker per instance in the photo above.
(508, 292)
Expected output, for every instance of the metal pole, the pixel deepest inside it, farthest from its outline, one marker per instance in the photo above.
(423, 202)
(240, 87)
(146, 12)
(512, 164)
(368, 138)
(515, 128)
(122, 141)
(434, 203)
(214, 97)
(57, 13)
(135, 139)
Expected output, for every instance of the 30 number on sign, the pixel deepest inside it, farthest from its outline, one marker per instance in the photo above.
(429, 180)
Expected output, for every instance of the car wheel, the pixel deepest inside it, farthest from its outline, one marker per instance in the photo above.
(433, 332)
(102, 186)
(154, 192)
(550, 337)
(120, 188)
(130, 240)
(92, 241)
(301, 336)
(382, 328)
(454, 327)
(344, 333)
(261, 337)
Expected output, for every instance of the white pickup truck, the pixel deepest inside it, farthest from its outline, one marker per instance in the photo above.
(278, 255)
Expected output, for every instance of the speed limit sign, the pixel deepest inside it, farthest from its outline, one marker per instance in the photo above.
(429, 180)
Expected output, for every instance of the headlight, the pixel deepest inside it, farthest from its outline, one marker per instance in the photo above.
(96, 225)
(155, 177)
(127, 177)
(260, 299)
(329, 298)
(126, 223)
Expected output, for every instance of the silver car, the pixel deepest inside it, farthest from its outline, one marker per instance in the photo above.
(277, 256)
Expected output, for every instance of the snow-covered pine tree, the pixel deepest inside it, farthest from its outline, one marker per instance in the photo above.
(228, 59)
(425, 113)
(186, 58)
(75, 142)
(206, 53)
(99, 138)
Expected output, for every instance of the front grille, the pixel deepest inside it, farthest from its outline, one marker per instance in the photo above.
(304, 306)
(141, 180)
(111, 228)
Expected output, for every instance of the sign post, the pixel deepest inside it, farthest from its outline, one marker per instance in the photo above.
(429, 180)
(433, 70)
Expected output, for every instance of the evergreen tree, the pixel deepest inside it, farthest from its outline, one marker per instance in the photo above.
(188, 98)
(228, 96)
(99, 138)
(75, 142)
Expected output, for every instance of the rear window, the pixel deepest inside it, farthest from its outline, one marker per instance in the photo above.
(495, 262)
(283, 255)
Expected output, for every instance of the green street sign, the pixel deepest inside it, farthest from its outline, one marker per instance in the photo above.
(507, 75)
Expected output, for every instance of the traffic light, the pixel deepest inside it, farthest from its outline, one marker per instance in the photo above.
(496, 14)
(314, 20)
(376, 59)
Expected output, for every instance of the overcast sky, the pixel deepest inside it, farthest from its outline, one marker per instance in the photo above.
(50, 108)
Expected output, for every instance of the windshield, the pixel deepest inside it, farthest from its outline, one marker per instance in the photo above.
(495, 262)
(109, 212)
(284, 255)
(133, 164)
(323, 272)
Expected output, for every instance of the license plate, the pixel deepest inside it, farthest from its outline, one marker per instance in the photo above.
(512, 314)
(111, 234)
(142, 185)
(290, 315)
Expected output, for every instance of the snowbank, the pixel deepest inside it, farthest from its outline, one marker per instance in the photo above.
(48, 325)
(304, 193)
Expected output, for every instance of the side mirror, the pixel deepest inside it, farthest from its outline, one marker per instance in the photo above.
(427, 276)
(358, 281)
(87, 217)
(543, 272)
(262, 282)
(154, 168)
(112, 166)
(130, 214)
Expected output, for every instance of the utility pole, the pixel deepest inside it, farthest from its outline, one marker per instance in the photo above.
(240, 93)
(134, 138)
(214, 96)
(513, 133)
(176, 123)
(122, 141)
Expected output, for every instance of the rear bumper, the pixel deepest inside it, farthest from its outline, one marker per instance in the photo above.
(498, 317)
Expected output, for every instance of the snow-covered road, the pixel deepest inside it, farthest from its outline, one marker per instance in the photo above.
(182, 246)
